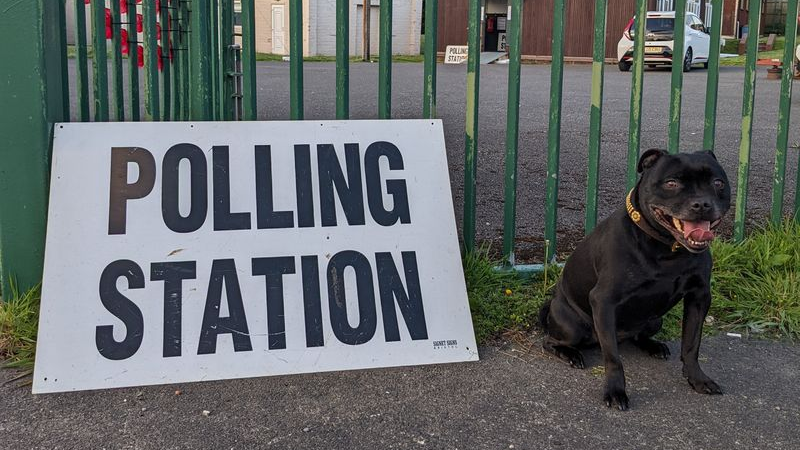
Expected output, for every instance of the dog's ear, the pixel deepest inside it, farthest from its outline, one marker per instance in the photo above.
(649, 158)
(710, 153)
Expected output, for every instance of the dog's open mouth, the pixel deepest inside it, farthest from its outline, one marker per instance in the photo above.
(696, 236)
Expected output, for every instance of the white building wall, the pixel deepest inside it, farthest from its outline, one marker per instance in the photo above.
(406, 26)
(323, 22)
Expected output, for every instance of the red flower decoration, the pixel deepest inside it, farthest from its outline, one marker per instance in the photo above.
(140, 55)
(123, 6)
(139, 23)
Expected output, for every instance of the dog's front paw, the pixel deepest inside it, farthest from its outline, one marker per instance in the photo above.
(705, 386)
(653, 348)
(616, 397)
(575, 360)
(658, 350)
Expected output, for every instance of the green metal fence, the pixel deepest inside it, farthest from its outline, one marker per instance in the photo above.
(201, 73)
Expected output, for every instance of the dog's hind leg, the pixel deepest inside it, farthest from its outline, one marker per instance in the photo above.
(644, 340)
(564, 332)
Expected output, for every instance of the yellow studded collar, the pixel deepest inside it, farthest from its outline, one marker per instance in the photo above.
(636, 217)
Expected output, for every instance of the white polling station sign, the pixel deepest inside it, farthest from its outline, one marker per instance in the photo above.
(456, 54)
(181, 252)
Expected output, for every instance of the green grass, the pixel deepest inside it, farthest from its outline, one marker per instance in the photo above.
(756, 284)
(19, 320)
(755, 288)
(268, 57)
(503, 300)
(732, 46)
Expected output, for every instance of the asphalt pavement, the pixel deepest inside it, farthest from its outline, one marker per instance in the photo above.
(407, 84)
(516, 397)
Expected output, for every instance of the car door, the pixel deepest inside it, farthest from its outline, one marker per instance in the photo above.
(700, 39)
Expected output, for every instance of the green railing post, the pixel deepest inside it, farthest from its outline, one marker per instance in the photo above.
(784, 110)
(712, 85)
(385, 62)
(429, 90)
(227, 100)
(748, 101)
(296, 60)
(133, 63)
(554, 131)
(216, 69)
(512, 131)
(200, 55)
(62, 38)
(116, 61)
(99, 61)
(32, 97)
(471, 137)
(595, 113)
(676, 89)
(166, 85)
(637, 83)
(342, 59)
(185, 27)
(151, 106)
(177, 57)
(82, 63)
(250, 104)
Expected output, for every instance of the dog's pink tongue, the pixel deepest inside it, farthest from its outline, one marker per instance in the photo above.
(698, 231)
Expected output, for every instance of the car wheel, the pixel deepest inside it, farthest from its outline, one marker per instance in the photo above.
(705, 65)
(687, 61)
(624, 66)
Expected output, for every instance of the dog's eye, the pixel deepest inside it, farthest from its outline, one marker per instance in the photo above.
(671, 184)
(719, 184)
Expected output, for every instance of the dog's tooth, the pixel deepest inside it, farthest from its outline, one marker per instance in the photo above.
(677, 224)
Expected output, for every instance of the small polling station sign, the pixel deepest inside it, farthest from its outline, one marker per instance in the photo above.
(182, 252)
(456, 54)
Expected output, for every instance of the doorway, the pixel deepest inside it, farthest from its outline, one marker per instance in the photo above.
(278, 30)
(494, 32)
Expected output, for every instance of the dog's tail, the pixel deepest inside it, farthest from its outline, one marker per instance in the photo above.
(543, 313)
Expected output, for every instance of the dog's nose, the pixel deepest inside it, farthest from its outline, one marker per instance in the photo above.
(701, 206)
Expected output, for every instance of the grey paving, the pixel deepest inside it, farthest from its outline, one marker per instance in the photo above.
(510, 399)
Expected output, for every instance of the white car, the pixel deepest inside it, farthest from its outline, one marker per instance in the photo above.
(659, 41)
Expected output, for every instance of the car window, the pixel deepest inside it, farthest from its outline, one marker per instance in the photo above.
(659, 24)
(697, 24)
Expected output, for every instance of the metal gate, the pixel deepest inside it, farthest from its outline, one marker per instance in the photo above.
(196, 76)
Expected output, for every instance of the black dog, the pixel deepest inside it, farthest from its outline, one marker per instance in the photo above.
(639, 263)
